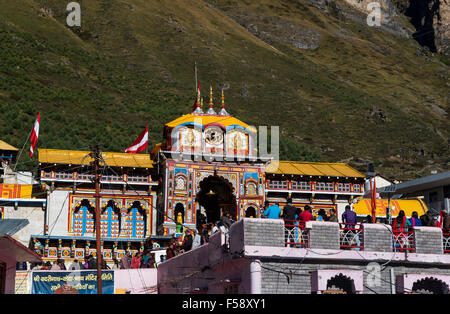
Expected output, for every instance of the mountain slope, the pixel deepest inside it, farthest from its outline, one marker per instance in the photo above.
(338, 89)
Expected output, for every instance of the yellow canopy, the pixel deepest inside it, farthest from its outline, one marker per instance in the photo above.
(314, 169)
(6, 146)
(204, 120)
(364, 208)
(75, 157)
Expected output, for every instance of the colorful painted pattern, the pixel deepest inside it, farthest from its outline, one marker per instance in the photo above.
(131, 223)
(15, 191)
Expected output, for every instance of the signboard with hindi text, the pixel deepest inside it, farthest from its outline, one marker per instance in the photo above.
(71, 282)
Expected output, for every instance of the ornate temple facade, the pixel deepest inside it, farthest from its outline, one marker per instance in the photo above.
(207, 165)
(127, 201)
(210, 165)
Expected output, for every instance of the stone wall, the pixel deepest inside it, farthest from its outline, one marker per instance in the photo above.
(323, 235)
(428, 240)
(377, 237)
(281, 277)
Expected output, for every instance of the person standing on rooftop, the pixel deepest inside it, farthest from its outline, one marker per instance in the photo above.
(273, 211)
(349, 217)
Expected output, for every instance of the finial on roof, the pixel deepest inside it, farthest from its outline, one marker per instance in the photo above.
(197, 106)
(223, 112)
(211, 104)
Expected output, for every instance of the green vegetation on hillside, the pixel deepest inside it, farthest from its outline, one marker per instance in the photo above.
(361, 93)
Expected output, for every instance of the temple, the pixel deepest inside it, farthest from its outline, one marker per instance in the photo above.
(207, 165)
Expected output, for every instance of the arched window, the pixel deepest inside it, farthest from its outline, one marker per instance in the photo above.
(430, 285)
(136, 221)
(341, 283)
(83, 218)
(180, 183)
(110, 220)
(251, 189)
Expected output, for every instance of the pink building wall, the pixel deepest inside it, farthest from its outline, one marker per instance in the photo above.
(136, 281)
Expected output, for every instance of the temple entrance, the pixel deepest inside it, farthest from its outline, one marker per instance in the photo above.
(250, 212)
(179, 217)
(430, 286)
(340, 284)
(216, 197)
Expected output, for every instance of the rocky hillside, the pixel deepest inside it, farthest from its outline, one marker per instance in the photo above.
(339, 89)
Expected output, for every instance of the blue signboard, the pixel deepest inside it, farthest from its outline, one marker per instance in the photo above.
(71, 282)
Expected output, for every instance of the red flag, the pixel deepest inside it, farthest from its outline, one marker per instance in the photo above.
(140, 144)
(34, 135)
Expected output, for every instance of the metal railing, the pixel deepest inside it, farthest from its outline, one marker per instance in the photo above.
(446, 241)
(403, 240)
(296, 234)
(350, 236)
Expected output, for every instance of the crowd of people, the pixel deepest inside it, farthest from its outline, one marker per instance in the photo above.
(403, 223)
(193, 238)
(294, 215)
(145, 259)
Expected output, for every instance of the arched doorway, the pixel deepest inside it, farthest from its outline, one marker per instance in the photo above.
(179, 216)
(250, 212)
(430, 285)
(341, 283)
(217, 197)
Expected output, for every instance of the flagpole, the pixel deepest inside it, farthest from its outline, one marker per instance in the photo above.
(195, 70)
(148, 139)
(20, 153)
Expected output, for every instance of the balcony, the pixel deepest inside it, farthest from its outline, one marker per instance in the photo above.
(365, 237)
(79, 177)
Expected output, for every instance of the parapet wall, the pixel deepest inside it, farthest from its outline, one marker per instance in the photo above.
(327, 235)
(228, 258)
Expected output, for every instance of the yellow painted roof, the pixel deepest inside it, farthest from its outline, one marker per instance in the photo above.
(314, 169)
(363, 207)
(75, 157)
(6, 146)
(204, 120)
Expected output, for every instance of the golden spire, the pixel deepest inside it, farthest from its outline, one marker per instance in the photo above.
(223, 112)
(211, 104)
(210, 97)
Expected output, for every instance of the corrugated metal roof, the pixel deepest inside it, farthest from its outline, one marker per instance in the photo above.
(11, 226)
(419, 184)
(75, 157)
(315, 169)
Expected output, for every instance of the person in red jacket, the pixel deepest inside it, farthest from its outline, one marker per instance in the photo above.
(306, 215)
